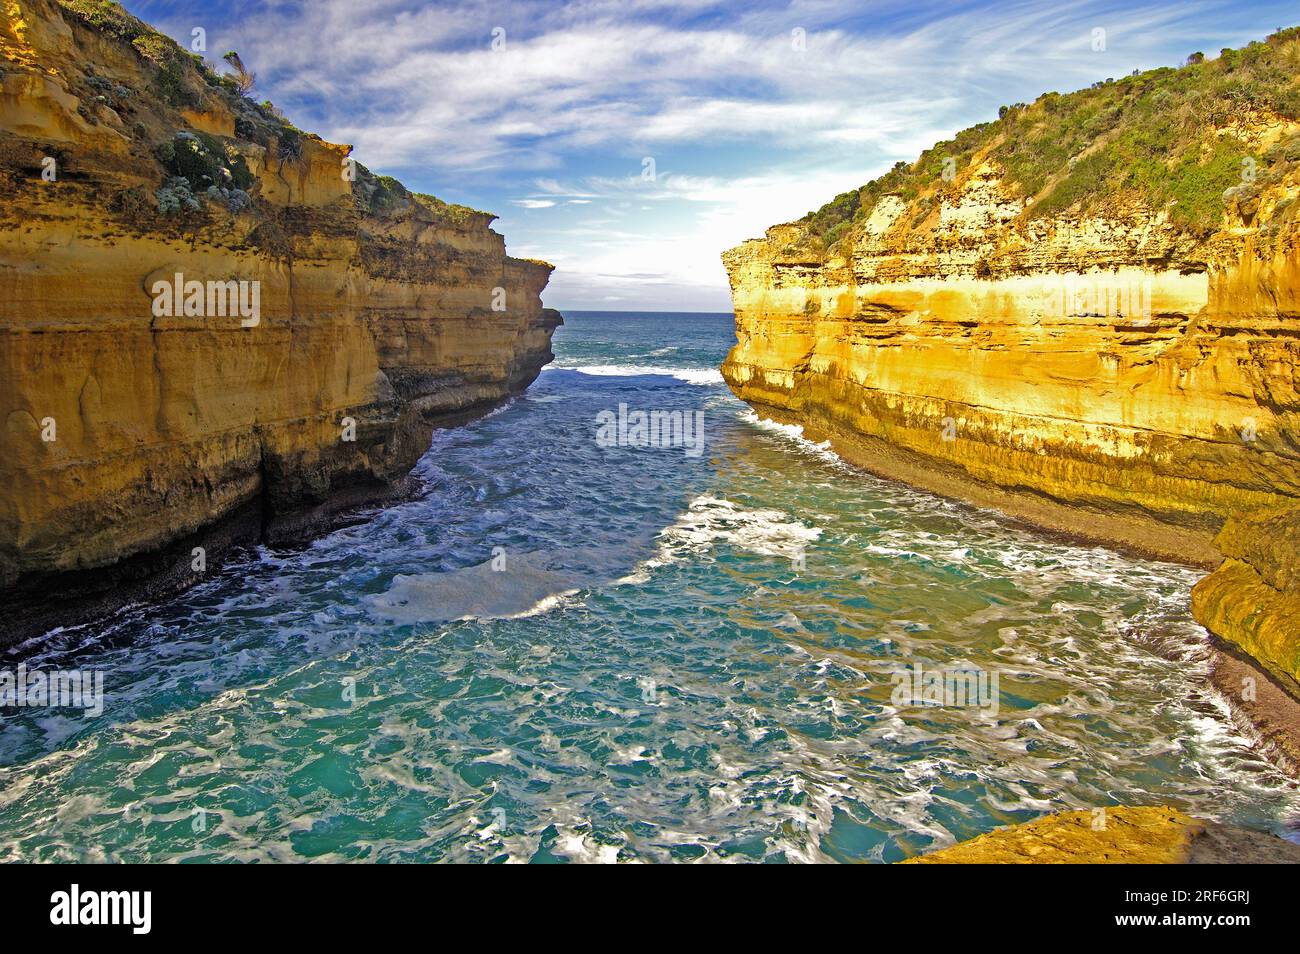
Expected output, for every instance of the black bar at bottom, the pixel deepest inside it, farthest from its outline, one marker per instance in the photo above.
(261, 903)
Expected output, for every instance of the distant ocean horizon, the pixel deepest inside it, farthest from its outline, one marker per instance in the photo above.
(636, 311)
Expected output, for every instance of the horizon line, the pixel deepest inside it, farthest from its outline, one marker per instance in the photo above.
(643, 311)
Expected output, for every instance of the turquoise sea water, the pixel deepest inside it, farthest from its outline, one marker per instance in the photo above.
(568, 651)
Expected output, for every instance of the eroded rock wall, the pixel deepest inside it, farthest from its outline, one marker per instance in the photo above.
(1115, 376)
(129, 436)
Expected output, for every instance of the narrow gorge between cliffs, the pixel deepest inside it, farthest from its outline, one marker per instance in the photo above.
(687, 658)
(720, 514)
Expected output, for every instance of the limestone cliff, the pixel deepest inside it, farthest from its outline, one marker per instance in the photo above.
(132, 435)
(1086, 313)
(1118, 836)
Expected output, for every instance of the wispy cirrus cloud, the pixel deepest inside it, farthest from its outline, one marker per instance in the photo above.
(546, 111)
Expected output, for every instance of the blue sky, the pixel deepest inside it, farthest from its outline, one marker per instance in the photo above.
(753, 112)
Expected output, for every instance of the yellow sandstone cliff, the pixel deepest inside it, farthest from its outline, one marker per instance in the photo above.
(131, 437)
(1086, 314)
(1158, 835)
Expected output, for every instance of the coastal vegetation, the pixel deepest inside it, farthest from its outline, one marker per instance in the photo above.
(196, 167)
(199, 172)
(1168, 139)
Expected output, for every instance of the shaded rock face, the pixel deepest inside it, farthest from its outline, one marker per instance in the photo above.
(1117, 376)
(132, 436)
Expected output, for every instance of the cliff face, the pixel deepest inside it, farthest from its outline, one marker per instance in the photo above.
(1054, 334)
(132, 432)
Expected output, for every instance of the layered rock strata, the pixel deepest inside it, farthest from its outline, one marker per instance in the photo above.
(1107, 354)
(135, 429)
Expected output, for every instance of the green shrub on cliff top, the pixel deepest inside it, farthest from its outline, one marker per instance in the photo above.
(836, 219)
(383, 195)
(175, 196)
(1154, 137)
(199, 165)
(377, 195)
(108, 16)
(174, 69)
(205, 164)
(447, 211)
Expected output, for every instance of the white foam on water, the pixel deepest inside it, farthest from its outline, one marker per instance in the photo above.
(475, 592)
(583, 849)
(1069, 655)
(698, 376)
(794, 434)
(656, 353)
(710, 520)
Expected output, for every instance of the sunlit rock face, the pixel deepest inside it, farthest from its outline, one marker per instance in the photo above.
(134, 433)
(1111, 374)
(1156, 835)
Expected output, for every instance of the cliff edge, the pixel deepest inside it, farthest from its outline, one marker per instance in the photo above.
(215, 328)
(1085, 314)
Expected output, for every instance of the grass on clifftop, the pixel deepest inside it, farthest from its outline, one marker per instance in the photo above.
(384, 195)
(1149, 137)
(192, 162)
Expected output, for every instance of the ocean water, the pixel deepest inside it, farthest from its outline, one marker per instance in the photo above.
(570, 651)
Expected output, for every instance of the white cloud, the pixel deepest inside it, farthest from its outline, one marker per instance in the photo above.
(425, 86)
(594, 85)
(670, 257)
